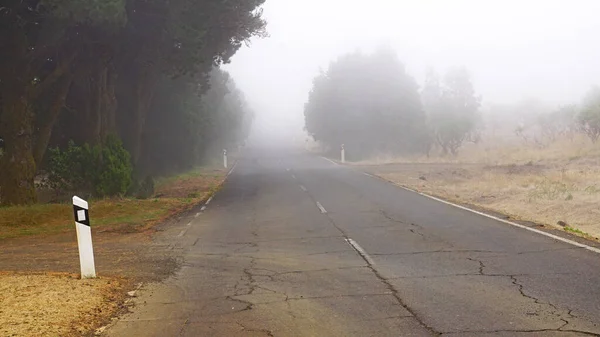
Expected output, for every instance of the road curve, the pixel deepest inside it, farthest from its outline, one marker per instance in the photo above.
(294, 245)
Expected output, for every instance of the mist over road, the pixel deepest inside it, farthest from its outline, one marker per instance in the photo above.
(295, 245)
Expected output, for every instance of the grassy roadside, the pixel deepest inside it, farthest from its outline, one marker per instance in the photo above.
(173, 195)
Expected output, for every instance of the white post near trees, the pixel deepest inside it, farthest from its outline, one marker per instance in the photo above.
(84, 238)
(225, 158)
(343, 154)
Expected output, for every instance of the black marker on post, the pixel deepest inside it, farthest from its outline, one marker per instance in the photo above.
(84, 238)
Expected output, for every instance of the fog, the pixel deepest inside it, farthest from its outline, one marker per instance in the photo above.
(513, 49)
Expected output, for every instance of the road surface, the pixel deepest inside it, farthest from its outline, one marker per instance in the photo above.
(294, 245)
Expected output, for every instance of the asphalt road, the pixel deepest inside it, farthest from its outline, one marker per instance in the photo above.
(294, 245)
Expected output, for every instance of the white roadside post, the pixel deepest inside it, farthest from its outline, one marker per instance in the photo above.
(84, 238)
(343, 154)
(225, 158)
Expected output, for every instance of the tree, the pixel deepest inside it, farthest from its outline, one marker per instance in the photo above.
(88, 69)
(452, 108)
(589, 117)
(38, 42)
(178, 38)
(200, 119)
(369, 103)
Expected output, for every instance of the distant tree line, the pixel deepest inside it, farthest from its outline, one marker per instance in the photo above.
(142, 73)
(369, 103)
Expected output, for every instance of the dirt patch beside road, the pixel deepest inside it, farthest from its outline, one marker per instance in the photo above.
(59, 304)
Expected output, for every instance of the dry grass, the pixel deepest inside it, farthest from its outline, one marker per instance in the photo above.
(126, 214)
(55, 304)
(499, 152)
(560, 182)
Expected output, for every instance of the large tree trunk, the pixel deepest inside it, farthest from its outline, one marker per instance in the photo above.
(94, 103)
(109, 101)
(45, 130)
(17, 165)
(143, 97)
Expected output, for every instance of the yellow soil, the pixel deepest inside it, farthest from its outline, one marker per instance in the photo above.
(55, 305)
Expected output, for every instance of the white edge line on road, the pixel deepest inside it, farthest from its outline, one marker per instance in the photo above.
(189, 224)
(203, 208)
(329, 160)
(182, 233)
(209, 200)
(231, 171)
(361, 251)
(303, 188)
(369, 175)
(197, 215)
(321, 208)
(555, 237)
(294, 176)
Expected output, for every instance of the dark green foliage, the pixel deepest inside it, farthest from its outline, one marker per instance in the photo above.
(370, 104)
(143, 189)
(101, 170)
(106, 60)
(112, 174)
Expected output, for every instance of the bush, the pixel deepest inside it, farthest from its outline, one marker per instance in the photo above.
(142, 189)
(102, 170)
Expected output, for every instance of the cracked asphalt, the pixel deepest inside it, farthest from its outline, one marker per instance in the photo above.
(264, 260)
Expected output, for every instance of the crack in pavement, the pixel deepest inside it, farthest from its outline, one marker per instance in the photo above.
(183, 326)
(565, 315)
(265, 331)
(481, 265)
(280, 239)
(516, 331)
(393, 291)
(439, 251)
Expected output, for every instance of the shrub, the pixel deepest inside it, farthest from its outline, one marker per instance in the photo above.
(142, 189)
(102, 170)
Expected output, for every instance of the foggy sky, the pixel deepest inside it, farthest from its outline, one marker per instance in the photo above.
(513, 49)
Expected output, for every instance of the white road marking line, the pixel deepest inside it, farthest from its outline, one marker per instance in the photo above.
(287, 169)
(555, 237)
(294, 176)
(323, 210)
(182, 233)
(369, 175)
(197, 215)
(202, 209)
(233, 168)
(189, 224)
(329, 160)
(360, 251)
(209, 200)
(303, 188)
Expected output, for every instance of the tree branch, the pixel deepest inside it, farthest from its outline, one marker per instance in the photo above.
(54, 76)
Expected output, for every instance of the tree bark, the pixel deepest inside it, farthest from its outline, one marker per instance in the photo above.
(18, 165)
(143, 97)
(45, 130)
